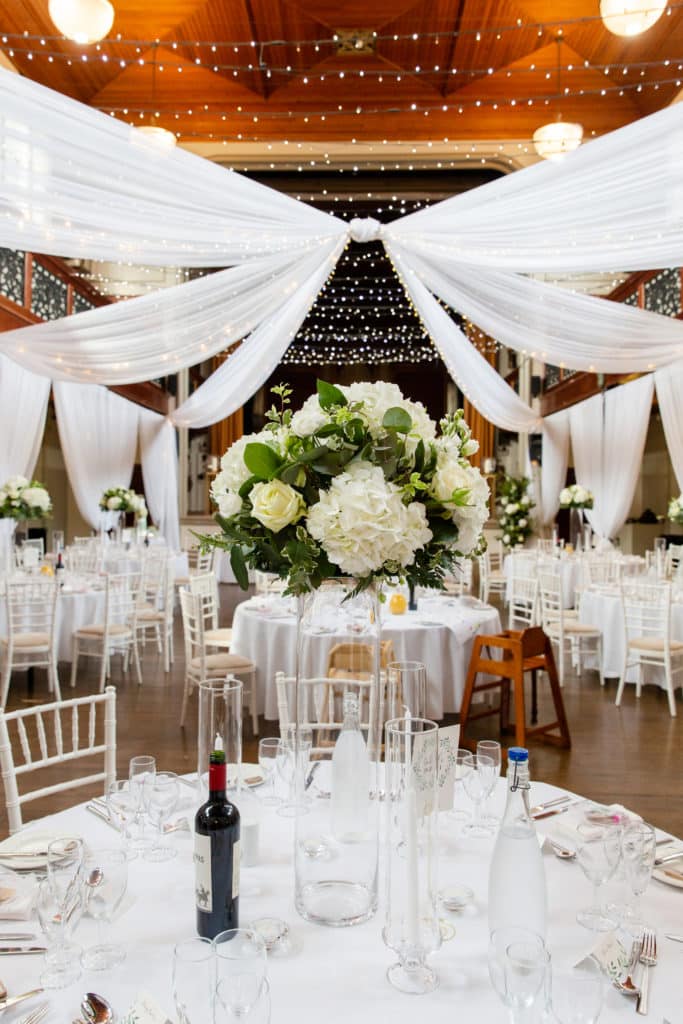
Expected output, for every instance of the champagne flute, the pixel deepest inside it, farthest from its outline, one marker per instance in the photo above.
(479, 782)
(194, 980)
(122, 805)
(463, 766)
(490, 748)
(240, 969)
(62, 965)
(293, 755)
(267, 759)
(140, 768)
(106, 878)
(638, 851)
(161, 793)
(597, 852)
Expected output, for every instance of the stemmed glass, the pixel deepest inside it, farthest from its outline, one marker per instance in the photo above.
(194, 981)
(140, 768)
(59, 913)
(161, 793)
(267, 759)
(479, 782)
(122, 804)
(638, 852)
(578, 994)
(106, 879)
(518, 964)
(463, 766)
(597, 852)
(293, 754)
(490, 748)
(240, 973)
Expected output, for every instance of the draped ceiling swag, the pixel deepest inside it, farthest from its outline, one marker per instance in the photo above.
(74, 182)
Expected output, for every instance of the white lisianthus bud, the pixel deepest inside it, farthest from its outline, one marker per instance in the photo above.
(276, 504)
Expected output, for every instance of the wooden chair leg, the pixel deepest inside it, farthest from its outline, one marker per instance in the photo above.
(556, 692)
(534, 696)
(469, 685)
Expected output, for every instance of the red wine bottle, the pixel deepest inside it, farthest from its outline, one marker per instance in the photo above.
(217, 856)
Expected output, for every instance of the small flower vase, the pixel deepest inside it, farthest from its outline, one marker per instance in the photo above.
(576, 526)
(411, 926)
(335, 743)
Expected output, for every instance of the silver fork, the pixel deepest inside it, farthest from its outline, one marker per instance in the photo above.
(648, 958)
(38, 1014)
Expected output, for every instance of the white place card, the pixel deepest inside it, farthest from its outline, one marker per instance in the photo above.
(145, 1011)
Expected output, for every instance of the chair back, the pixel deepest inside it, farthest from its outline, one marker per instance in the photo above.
(154, 579)
(31, 607)
(459, 582)
(523, 607)
(121, 599)
(601, 571)
(193, 627)
(321, 702)
(348, 660)
(545, 546)
(53, 735)
(494, 555)
(83, 559)
(205, 587)
(199, 561)
(550, 592)
(647, 611)
(674, 558)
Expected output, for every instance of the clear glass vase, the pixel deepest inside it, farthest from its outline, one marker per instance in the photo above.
(411, 926)
(576, 527)
(335, 705)
(220, 728)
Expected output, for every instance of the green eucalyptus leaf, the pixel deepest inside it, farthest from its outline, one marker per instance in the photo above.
(397, 419)
(262, 460)
(329, 395)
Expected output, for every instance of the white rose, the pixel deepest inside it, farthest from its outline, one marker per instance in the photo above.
(309, 418)
(524, 502)
(521, 524)
(506, 538)
(15, 484)
(362, 522)
(229, 503)
(565, 496)
(37, 497)
(114, 503)
(469, 535)
(503, 520)
(275, 504)
(511, 508)
(234, 471)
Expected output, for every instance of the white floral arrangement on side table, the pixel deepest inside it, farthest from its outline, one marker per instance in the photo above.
(123, 499)
(675, 512)
(355, 483)
(575, 496)
(24, 499)
(515, 504)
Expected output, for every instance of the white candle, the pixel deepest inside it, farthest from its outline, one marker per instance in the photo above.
(413, 922)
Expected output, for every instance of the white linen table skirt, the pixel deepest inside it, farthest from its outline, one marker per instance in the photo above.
(440, 635)
(75, 610)
(132, 562)
(338, 974)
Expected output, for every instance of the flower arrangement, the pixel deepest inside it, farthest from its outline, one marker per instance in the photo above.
(675, 512)
(122, 499)
(355, 483)
(575, 496)
(515, 506)
(24, 499)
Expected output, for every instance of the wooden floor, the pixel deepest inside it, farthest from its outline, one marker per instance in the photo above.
(631, 755)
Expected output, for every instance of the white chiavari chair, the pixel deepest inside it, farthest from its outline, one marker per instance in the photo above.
(523, 606)
(647, 633)
(674, 558)
(116, 633)
(50, 736)
(156, 606)
(31, 640)
(83, 559)
(205, 587)
(567, 635)
(491, 580)
(601, 572)
(321, 701)
(459, 582)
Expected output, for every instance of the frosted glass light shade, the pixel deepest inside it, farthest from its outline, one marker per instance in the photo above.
(554, 140)
(630, 17)
(84, 21)
(159, 137)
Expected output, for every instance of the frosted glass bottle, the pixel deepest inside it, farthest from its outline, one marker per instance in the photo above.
(517, 885)
(350, 777)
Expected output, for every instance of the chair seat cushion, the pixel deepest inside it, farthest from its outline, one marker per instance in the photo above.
(653, 643)
(225, 661)
(218, 637)
(150, 615)
(574, 628)
(98, 630)
(29, 640)
(181, 581)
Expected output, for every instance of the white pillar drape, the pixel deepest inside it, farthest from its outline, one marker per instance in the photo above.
(554, 463)
(23, 408)
(159, 457)
(669, 385)
(608, 435)
(99, 434)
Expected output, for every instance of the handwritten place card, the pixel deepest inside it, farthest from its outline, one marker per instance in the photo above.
(422, 760)
(145, 1011)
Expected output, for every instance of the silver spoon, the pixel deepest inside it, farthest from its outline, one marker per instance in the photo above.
(96, 1009)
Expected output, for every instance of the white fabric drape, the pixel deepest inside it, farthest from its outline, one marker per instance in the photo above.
(555, 459)
(608, 434)
(159, 458)
(98, 431)
(669, 385)
(23, 408)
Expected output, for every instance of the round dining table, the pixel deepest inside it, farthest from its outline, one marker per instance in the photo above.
(439, 634)
(81, 602)
(335, 974)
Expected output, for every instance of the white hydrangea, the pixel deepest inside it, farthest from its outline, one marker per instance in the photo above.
(234, 471)
(565, 496)
(36, 497)
(114, 503)
(309, 418)
(380, 396)
(229, 503)
(362, 522)
(450, 476)
(521, 523)
(15, 485)
(506, 538)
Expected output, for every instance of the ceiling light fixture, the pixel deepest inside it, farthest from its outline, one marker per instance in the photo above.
(84, 21)
(161, 138)
(554, 140)
(631, 17)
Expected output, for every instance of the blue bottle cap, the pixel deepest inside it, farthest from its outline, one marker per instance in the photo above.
(518, 754)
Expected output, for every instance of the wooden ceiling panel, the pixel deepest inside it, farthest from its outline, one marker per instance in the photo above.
(352, 13)
(427, 20)
(339, 78)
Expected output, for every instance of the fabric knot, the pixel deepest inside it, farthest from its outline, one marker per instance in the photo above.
(365, 229)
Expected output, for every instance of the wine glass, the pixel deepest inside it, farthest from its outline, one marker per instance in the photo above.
(194, 980)
(240, 970)
(62, 956)
(479, 782)
(161, 793)
(638, 852)
(578, 994)
(106, 879)
(293, 754)
(140, 768)
(122, 805)
(518, 964)
(490, 748)
(598, 852)
(258, 1014)
(463, 766)
(267, 759)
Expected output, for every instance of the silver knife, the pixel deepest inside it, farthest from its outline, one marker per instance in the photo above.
(676, 938)
(102, 815)
(668, 858)
(13, 1000)
(17, 937)
(549, 803)
(20, 951)
(549, 814)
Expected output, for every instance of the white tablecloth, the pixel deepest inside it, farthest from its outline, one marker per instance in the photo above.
(569, 570)
(439, 635)
(339, 974)
(131, 561)
(73, 611)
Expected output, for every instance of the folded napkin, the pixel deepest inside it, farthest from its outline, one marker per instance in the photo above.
(19, 905)
(564, 828)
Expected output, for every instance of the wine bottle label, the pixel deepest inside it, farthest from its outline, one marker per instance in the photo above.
(236, 852)
(202, 873)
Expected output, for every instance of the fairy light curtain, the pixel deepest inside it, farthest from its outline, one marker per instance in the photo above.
(74, 182)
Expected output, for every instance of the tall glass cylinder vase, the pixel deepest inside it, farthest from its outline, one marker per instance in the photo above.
(576, 527)
(411, 926)
(220, 728)
(7, 528)
(336, 705)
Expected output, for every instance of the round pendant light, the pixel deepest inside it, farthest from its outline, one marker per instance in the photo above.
(84, 21)
(631, 17)
(554, 140)
(159, 137)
